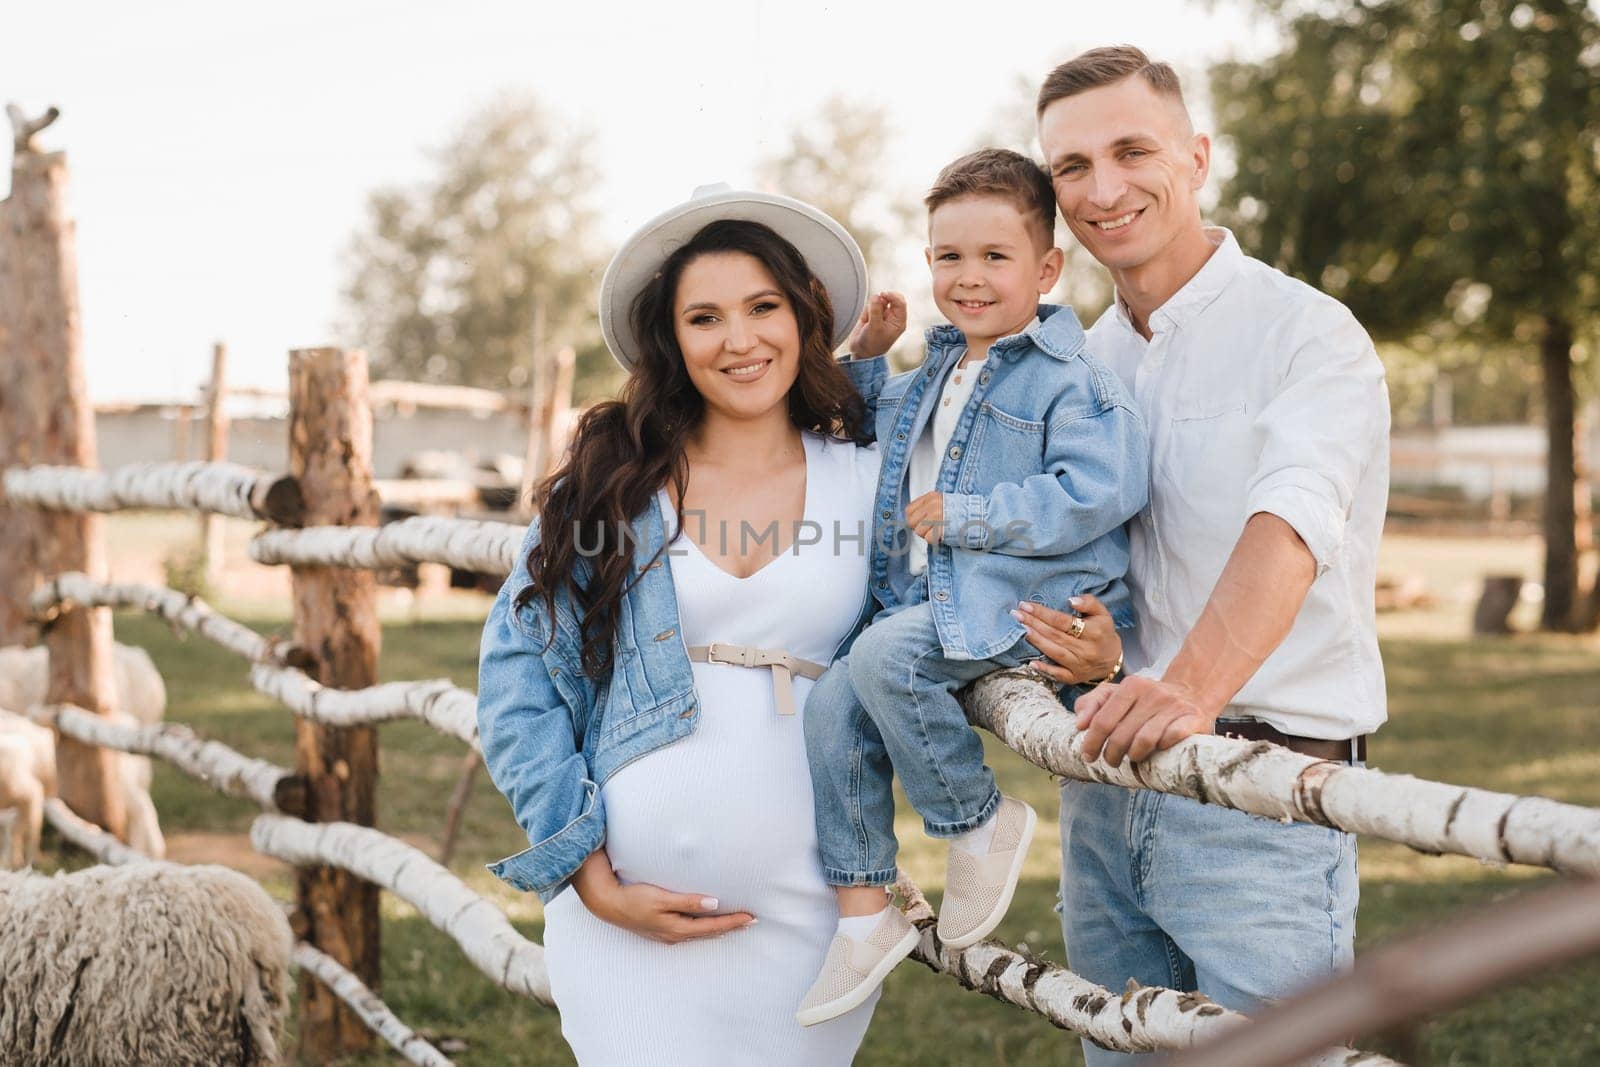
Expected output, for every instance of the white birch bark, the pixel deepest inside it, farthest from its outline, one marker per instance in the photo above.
(179, 609)
(211, 762)
(467, 544)
(1269, 780)
(444, 706)
(438, 702)
(1140, 1019)
(485, 935)
(222, 488)
(89, 837)
(368, 1007)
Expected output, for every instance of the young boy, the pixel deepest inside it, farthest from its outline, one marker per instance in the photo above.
(1014, 459)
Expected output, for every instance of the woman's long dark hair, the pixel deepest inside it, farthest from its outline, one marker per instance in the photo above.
(625, 449)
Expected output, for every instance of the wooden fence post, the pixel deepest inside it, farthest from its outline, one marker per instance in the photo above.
(182, 430)
(539, 385)
(336, 623)
(211, 528)
(557, 410)
(45, 417)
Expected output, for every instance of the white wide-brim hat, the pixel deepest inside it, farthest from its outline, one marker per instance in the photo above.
(827, 247)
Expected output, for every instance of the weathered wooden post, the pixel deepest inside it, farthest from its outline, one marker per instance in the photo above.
(557, 409)
(45, 417)
(182, 428)
(211, 528)
(336, 623)
(539, 384)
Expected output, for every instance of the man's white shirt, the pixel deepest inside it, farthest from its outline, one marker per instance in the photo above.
(1260, 394)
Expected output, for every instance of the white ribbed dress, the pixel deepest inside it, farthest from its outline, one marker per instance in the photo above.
(726, 812)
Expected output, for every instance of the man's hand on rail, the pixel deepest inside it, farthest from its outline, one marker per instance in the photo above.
(1137, 717)
(649, 910)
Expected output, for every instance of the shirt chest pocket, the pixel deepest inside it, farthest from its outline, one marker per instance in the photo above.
(1208, 458)
(1004, 448)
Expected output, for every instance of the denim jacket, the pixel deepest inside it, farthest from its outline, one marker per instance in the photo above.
(1047, 462)
(551, 736)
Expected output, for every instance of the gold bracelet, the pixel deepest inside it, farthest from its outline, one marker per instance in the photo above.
(1116, 669)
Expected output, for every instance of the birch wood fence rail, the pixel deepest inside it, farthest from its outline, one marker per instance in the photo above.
(214, 488)
(1140, 1020)
(1022, 711)
(1251, 776)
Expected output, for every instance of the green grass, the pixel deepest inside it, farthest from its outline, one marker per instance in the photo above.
(1516, 715)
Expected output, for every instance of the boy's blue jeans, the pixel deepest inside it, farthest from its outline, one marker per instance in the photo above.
(1175, 893)
(888, 708)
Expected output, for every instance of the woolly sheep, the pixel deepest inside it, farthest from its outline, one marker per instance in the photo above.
(27, 777)
(142, 699)
(150, 963)
(21, 801)
(138, 685)
(144, 826)
(33, 774)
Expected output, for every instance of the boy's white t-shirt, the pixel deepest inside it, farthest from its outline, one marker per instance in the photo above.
(923, 471)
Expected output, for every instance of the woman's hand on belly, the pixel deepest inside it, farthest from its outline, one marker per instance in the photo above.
(648, 910)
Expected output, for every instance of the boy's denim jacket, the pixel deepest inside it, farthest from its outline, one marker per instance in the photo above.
(1046, 464)
(551, 736)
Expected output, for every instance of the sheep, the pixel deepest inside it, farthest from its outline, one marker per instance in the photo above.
(144, 826)
(24, 678)
(142, 699)
(28, 770)
(27, 777)
(148, 963)
(21, 802)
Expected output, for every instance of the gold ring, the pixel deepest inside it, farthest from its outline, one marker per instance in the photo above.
(1076, 630)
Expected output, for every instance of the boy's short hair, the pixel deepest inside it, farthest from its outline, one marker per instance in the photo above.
(1007, 175)
(1100, 67)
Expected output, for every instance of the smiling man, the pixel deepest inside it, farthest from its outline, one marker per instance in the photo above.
(1252, 570)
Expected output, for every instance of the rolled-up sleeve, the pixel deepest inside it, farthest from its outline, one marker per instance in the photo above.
(1328, 421)
(531, 749)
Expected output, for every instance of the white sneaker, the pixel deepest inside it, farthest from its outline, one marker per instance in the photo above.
(853, 969)
(978, 889)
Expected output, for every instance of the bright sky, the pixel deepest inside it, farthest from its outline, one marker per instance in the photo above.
(220, 160)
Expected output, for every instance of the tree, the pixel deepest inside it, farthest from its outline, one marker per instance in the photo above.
(834, 160)
(445, 278)
(1435, 167)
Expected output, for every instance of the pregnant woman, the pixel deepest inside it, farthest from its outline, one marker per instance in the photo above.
(698, 559)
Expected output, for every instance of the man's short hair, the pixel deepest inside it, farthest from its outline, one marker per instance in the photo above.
(1005, 175)
(1100, 67)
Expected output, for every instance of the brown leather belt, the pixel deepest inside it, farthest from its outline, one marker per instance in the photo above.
(1315, 747)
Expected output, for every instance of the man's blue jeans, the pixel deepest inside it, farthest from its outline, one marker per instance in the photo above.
(888, 708)
(1175, 893)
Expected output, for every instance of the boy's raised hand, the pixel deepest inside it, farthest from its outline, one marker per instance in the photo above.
(882, 322)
